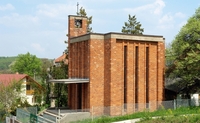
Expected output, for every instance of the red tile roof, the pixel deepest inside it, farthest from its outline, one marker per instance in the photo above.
(6, 79)
(62, 58)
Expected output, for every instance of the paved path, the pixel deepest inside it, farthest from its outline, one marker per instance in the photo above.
(128, 121)
(132, 120)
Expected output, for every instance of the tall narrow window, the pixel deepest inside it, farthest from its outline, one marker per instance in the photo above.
(28, 87)
(136, 76)
(125, 77)
(79, 95)
(147, 77)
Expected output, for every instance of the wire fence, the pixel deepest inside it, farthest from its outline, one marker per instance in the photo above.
(139, 107)
(23, 115)
(29, 116)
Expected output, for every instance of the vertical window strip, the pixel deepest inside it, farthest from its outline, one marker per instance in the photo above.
(125, 77)
(136, 74)
(147, 76)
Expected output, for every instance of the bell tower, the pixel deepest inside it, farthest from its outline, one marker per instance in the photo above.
(77, 25)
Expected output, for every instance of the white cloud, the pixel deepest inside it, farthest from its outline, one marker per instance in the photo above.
(180, 15)
(37, 47)
(55, 10)
(166, 22)
(159, 5)
(101, 1)
(17, 20)
(166, 19)
(154, 8)
(7, 7)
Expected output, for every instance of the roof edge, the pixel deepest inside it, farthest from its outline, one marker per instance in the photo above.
(155, 38)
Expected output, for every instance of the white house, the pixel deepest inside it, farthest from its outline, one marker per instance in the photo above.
(27, 90)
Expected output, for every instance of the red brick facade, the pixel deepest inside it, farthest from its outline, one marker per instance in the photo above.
(122, 69)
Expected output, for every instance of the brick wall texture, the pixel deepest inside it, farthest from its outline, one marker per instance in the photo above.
(115, 79)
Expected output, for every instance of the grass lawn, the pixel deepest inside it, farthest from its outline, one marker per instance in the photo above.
(193, 118)
(179, 115)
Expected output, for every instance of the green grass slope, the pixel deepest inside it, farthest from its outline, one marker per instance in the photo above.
(5, 62)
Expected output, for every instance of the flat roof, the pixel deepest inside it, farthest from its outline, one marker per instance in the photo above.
(150, 38)
(77, 16)
(69, 81)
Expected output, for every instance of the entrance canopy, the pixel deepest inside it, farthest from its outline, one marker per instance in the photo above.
(68, 81)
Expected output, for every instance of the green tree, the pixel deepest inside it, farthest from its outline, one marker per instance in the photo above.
(50, 71)
(27, 64)
(9, 98)
(184, 55)
(60, 72)
(83, 13)
(46, 65)
(5, 62)
(132, 26)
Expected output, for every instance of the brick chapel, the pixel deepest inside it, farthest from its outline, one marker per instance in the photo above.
(122, 72)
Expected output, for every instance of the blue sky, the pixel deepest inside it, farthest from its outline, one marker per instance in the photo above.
(40, 27)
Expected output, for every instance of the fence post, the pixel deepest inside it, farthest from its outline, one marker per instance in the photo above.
(122, 109)
(189, 102)
(59, 115)
(174, 103)
(92, 113)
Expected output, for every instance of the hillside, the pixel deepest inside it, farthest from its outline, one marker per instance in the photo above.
(5, 62)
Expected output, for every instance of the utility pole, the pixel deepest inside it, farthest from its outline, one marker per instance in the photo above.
(34, 73)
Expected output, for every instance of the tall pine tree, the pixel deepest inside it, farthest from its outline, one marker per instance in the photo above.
(132, 26)
(83, 13)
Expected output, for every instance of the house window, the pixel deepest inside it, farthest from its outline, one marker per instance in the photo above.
(28, 87)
